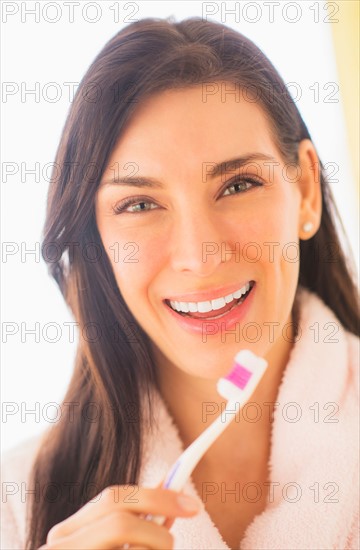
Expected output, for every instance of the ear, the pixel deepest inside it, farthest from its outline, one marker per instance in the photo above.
(310, 188)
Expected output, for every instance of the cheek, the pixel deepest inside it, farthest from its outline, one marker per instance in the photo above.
(135, 264)
(281, 252)
(265, 237)
(268, 237)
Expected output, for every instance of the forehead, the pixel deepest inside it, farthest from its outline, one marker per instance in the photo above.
(197, 122)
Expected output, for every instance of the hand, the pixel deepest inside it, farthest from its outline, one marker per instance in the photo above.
(116, 517)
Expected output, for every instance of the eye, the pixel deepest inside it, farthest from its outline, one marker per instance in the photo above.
(134, 206)
(241, 184)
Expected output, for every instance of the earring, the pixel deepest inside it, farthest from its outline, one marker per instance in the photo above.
(308, 226)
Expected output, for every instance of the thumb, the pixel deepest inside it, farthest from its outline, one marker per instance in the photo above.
(169, 521)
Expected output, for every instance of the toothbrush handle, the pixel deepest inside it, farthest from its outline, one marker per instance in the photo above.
(186, 463)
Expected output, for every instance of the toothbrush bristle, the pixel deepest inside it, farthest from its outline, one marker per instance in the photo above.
(243, 378)
(239, 376)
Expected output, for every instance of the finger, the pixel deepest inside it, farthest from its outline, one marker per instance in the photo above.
(156, 501)
(165, 521)
(169, 521)
(114, 530)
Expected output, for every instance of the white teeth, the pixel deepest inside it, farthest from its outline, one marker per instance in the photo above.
(218, 304)
(205, 307)
(242, 291)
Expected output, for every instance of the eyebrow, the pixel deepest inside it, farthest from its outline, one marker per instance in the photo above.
(215, 171)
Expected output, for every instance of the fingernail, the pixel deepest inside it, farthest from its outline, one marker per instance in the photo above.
(188, 503)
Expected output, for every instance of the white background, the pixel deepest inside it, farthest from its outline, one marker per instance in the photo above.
(36, 53)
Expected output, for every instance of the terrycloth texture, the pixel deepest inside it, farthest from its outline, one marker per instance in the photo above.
(319, 460)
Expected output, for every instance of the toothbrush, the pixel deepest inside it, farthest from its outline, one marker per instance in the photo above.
(237, 387)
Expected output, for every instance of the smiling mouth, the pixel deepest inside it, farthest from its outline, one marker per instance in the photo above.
(212, 309)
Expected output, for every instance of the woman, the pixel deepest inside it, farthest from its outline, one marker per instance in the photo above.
(188, 176)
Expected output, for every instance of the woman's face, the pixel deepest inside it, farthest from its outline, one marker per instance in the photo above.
(182, 235)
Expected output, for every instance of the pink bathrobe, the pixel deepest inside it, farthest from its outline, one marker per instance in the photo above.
(314, 459)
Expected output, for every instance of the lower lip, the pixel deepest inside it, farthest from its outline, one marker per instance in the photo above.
(213, 326)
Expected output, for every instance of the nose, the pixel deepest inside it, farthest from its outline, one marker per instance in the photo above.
(197, 242)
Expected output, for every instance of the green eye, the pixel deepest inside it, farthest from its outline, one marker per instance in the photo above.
(134, 206)
(140, 206)
(241, 184)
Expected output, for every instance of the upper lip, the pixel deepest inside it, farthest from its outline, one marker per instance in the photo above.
(208, 295)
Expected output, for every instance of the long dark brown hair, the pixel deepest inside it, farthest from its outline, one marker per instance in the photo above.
(114, 367)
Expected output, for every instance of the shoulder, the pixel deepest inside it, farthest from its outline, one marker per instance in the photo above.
(323, 329)
(16, 465)
(323, 367)
(17, 461)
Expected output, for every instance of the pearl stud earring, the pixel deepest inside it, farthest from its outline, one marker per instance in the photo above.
(308, 226)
